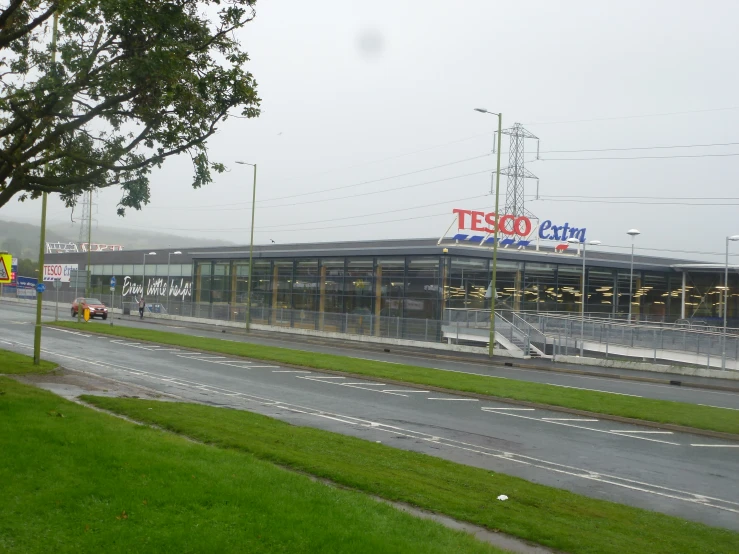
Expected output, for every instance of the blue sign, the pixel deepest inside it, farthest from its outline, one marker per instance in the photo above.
(112, 281)
(40, 288)
(26, 287)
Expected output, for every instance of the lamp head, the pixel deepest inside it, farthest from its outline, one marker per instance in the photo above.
(573, 240)
(151, 254)
(733, 237)
(594, 242)
(633, 232)
(176, 253)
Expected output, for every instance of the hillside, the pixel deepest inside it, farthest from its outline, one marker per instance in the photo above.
(22, 239)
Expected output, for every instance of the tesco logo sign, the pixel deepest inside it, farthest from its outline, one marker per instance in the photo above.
(516, 226)
(59, 272)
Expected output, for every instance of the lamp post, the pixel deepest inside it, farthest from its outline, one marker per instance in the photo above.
(632, 233)
(726, 296)
(166, 290)
(494, 291)
(251, 244)
(143, 278)
(42, 239)
(583, 289)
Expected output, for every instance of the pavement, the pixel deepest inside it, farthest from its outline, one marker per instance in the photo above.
(676, 473)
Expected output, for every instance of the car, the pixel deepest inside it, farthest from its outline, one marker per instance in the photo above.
(97, 308)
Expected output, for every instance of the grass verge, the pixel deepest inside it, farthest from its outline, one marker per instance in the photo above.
(15, 364)
(75, 480)
(556, 518)
(660, 411)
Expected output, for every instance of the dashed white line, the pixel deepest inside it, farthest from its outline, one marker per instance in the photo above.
(565, 419)
(717, 445)
(592, 390)
(457, 399)
(645, 432)
(487, 409)
(719, 407)
(581, 427)
(289, 371)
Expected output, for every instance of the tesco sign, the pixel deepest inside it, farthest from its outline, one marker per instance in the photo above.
(516, 226)
(59, 272)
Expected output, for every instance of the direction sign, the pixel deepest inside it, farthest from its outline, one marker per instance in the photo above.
(6, 262)
(112, 282)
(40, 288)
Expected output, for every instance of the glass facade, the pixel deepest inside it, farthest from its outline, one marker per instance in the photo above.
(318, 293)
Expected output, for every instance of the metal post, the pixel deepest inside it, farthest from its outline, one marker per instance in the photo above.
(426, 331)
(42, 241)
(56, 310)
(726, 298)
(655, 345)
(584, 295)
(493, 286)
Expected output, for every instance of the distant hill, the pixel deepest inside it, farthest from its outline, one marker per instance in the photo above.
(22, 239)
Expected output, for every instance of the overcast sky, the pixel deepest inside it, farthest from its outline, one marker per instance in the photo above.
(358, 92)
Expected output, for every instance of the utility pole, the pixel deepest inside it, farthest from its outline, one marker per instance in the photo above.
(42, 246)
(516, 170)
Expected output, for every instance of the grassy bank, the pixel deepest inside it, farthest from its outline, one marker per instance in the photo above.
(15, 364)
(661, 411)
(75, 480)
(549, 516)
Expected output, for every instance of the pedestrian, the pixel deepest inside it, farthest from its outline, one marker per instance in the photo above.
(142, 305)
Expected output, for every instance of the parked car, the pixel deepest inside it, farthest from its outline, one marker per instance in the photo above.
(97, 308)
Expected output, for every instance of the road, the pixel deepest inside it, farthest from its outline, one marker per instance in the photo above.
(676, 473)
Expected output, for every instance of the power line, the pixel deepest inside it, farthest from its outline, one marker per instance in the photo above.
(583, 201)
(343, 187)
(633, 116)
(637, 197)
(640, 157)
(641, 148)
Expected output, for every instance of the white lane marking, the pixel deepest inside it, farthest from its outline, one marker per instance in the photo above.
(623, 482)
(717, 445)
(402, 390)
(201, 357)
(487, 409)
(645, 432)
(327, 377)
(586, 428)
(70, 332)
(312, 378)
(372, 360)
(719, 407)
(564, 419)
(368, 384)
(457, 399)
(592, 390)
(289, 371)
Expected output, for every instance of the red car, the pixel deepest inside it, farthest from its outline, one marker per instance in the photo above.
(97, 308)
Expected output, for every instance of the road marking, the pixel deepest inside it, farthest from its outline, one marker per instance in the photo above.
(201, 357)
(647, 432)
(317, 380)
(719, 407)
(639, 486)
(516, 409)
(374, 360)
(458, 399)
(593, 390)
(586, 428)
(327, 377)
(402, 390)
(70, 332)
(289, 371)
(368, 384)
(565, 419)
(717, 445)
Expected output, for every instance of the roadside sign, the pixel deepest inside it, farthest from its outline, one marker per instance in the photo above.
(40, 288)
(112, 282)
(6, 263)
(59, 272)
(87, 314)
(57, 284)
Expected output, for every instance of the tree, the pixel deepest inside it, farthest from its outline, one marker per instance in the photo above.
(134, 83)
(27, 268)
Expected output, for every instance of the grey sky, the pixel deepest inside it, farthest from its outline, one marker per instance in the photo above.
(345, 84)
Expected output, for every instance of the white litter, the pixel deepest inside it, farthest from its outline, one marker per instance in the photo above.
(502, 497)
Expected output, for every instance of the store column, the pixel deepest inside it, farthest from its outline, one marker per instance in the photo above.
(232, 301)
(682, 295)
(378, 299)
(275, 287)
(322, 297)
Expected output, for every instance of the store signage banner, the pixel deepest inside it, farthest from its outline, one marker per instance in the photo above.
(516, 228)
(59, 272)
(157, 286)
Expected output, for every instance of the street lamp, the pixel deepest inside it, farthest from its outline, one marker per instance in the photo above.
(143, 278)
(583, 288)
(493, 283)
(633, 233)
(732, 238)
(251, 244)
(166, 290)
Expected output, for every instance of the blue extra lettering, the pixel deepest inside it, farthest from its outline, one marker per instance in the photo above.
(545, 225)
